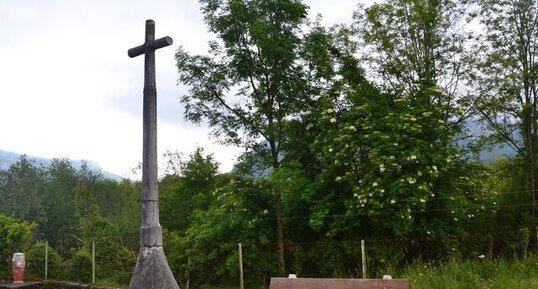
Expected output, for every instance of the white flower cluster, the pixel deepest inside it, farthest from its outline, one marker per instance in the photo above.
(412, 158)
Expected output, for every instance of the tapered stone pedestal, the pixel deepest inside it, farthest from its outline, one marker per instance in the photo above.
(152, 271)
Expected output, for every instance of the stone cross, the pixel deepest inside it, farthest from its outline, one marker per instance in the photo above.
(152, 270)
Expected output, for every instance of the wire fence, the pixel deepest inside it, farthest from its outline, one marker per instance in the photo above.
(360, 258)
(381, 254)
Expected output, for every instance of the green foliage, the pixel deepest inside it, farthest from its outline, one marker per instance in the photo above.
(510, 219)
(126, 211)
(48, 196)
(15, 236)
(390, 160)
(353, 158)
(297, 192)
(326, 258)
(20, 190)
(351, 133)
(411, 44)
(507, 70)
(79, 266)
(35, 262)
(175, 255)
(506, 77)
(113, 258)
(257, 78)
(61, 222)
(189, 192)
(72, 208)
(241, 213)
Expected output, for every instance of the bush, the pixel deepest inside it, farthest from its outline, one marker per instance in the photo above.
(35, 262)
(79, 267)
(325, 259)
(15, 237)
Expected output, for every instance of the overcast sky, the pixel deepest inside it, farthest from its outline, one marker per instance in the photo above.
(68, 88)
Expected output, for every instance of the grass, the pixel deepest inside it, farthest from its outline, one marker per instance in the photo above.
(476, 274)
(479, 274)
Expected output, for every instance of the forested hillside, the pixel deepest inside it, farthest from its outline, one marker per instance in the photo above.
(354, 132)
(9, 158)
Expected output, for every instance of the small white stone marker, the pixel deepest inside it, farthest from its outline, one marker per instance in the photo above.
(292, 276)
(387, 277)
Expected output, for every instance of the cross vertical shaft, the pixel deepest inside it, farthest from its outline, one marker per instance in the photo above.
(150, 232)
(152, 270)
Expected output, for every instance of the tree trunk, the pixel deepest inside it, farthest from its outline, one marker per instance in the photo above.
(533, 179)
(279, 211)
(280, 232)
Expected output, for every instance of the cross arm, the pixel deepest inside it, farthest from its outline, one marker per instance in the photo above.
(153, 45)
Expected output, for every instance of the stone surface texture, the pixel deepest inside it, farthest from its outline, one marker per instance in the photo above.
(152, 270)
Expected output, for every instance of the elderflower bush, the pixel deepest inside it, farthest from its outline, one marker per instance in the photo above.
(395, 163)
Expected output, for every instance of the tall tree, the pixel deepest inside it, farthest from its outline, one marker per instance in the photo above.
(390, 163)
(507, 78)
(59, 201)
(253, 82)
(414, 46)
(21, 191)
(189, 192)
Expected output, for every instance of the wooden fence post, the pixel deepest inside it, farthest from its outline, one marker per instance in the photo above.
(93, 262)
(46, 258)
(363, 254)
(536, 235)
(241, 286)
(188, 274)
(490, 247)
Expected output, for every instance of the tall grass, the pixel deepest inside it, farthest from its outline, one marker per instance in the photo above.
(476, 274)
(479, 274)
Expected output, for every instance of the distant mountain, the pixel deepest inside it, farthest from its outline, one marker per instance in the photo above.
(6, 159)
(9, 158)
(491, 153)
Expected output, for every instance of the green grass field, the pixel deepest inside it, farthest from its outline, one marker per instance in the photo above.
(474, 274)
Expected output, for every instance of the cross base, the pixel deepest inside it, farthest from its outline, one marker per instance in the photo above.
(152, 271)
